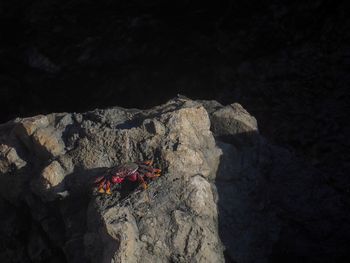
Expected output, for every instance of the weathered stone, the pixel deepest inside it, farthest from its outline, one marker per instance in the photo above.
(199, 197)
(31, 124)
(12, 173)
(9, 159)
(50, 182)
(53, 174)
(193, 240)
(190, 147)
(181, 135)
(47, 142)
(234, 124)
(222, 187)
(122, 227)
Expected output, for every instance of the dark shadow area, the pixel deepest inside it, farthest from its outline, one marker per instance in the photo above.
(273, 206)
(54, 231)
(32, 231)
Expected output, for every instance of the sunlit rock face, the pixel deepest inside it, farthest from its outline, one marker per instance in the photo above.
(224, 195)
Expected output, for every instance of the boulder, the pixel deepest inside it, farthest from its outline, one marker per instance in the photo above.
(225, 193)
(174, 220)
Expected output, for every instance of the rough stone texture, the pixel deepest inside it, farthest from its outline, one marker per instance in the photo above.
(233, 119)
(50, 181)
(10, 159)
(175, 220)
(31, 124)
(46, 140)
(225, 194)
(272, 206)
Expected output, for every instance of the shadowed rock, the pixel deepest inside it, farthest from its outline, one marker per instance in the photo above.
(225, 193)
(174, 220)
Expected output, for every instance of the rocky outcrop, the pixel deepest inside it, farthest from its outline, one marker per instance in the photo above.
(273, 207)
(175, 220)
(225, 193)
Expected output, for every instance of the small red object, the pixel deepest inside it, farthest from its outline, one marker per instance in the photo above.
(132, 171)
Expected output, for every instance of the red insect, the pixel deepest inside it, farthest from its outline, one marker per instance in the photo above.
(131, 171)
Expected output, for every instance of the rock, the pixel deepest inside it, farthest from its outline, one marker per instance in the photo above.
(13, 167)
(234, 124)
(37, 248)
(199, 197)
(10, 159)
(190, 147)
(30, 125)
(190, 156)
(264, 191)
(53, 174)
(46, 141)
(38, 132)
(224, 194)
(176, 135)
(122, 227)
(50, 182)
(27, 126)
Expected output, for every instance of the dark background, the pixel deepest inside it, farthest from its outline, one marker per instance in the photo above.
(286, 62)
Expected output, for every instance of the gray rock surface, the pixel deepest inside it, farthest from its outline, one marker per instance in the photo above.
(273, 207)
(175, 220)
(225, 194)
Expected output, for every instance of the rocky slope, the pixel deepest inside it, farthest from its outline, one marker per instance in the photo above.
(225, 194)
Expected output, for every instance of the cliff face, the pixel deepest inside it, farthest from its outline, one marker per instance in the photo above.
(225, 193)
